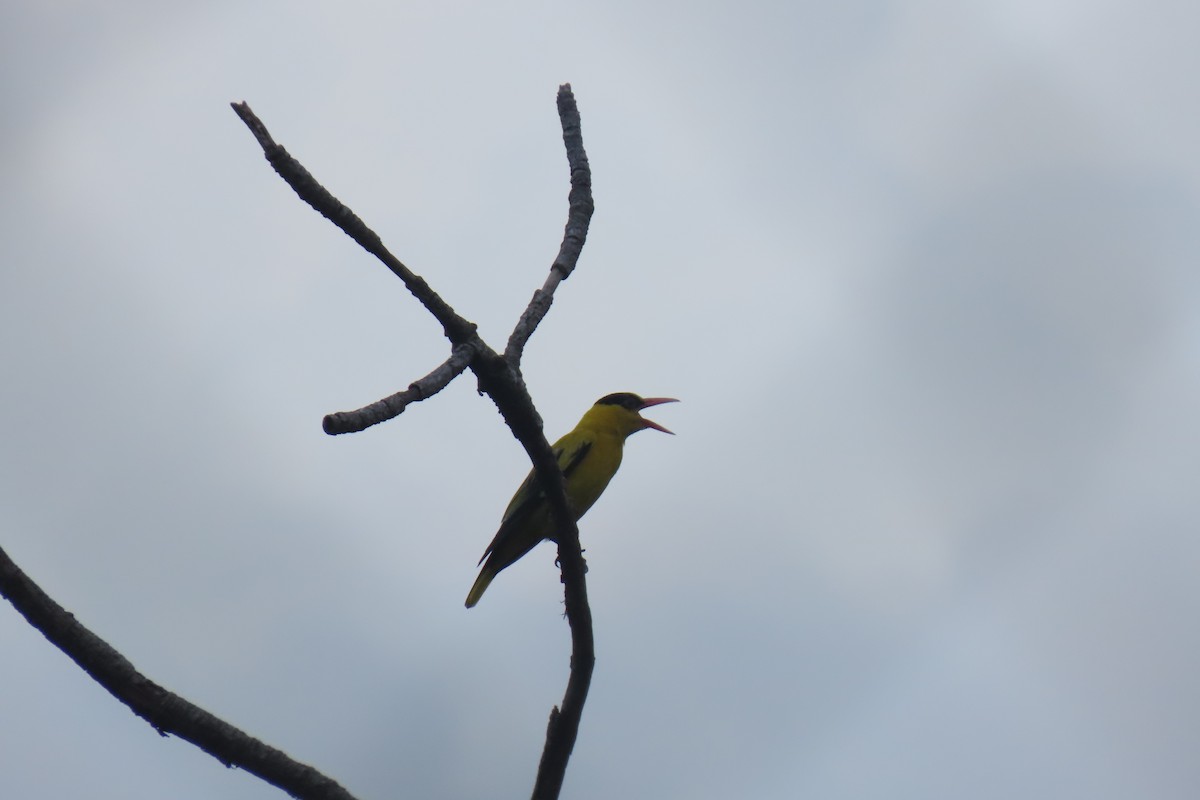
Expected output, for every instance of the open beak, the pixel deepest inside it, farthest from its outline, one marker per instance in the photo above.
(655, 401)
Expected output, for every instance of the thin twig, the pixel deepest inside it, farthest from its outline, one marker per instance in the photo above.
(389, 407)
(579, 218)
(167, 712)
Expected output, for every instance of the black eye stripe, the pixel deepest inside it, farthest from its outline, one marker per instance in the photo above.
(624, 399)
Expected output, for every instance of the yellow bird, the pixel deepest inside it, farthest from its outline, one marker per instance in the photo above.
(588, 457)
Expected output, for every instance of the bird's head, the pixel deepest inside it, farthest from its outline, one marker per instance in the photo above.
(630, 405)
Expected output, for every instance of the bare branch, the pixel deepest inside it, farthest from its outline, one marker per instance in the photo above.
(457, 329)
(389, 407)
(499, 377)
(168, 713)
(563, 728)
(579, 217)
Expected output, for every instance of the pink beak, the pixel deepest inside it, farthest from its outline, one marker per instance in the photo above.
(656, 401)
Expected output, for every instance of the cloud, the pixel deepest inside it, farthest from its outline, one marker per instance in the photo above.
(922, 276)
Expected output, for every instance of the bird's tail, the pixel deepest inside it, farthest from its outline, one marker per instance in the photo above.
(481, 583)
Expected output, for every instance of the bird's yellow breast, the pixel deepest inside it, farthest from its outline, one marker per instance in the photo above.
(603, 429)
(589, 480)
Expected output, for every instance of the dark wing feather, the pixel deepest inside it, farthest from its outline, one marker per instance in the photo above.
(532, 495)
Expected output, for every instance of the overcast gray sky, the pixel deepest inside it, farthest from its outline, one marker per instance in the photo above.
(923, 273)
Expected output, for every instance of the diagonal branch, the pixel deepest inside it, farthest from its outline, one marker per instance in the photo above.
(457, 329)
(393, 406)
(168, 713)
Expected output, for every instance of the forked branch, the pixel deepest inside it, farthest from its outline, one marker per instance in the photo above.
(498, 376)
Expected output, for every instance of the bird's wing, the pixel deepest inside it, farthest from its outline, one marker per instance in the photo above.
(569, 456)
(570, 453)
(569, 462)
